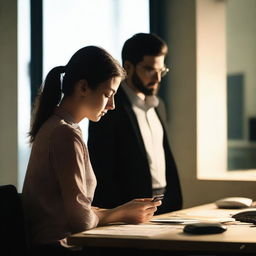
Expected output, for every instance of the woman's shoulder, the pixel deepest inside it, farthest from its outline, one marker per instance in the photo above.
(67, 130)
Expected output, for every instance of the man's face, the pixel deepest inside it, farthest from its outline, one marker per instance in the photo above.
(146, 75)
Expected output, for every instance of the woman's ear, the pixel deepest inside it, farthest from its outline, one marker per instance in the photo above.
(82, 86)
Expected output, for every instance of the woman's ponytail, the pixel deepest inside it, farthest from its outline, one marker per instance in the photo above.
(47, 99)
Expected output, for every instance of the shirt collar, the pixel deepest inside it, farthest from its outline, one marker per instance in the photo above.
(151, 101)
(62, 113)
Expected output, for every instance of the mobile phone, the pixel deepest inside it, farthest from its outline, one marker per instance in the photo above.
(157, 198)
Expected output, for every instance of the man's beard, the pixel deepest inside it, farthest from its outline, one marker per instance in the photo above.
(145, 89)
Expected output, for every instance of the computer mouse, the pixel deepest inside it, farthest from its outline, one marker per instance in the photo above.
(246, 216)
(204, 228)
(234, 202)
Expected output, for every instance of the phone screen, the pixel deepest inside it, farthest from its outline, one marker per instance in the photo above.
(157, 198)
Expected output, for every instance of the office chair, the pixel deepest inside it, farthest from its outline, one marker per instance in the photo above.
(13, 238)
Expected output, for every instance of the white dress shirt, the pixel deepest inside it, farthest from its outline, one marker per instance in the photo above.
(152, 133)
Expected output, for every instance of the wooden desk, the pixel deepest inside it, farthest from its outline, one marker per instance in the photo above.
(238, 239)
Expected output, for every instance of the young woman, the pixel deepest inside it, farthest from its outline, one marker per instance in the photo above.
(60, 183)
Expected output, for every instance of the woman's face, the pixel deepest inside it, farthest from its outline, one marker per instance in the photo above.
(98, 101)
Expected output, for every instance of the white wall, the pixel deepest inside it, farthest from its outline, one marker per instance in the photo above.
(8, 92)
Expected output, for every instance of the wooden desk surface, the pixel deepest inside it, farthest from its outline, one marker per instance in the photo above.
(239, 238)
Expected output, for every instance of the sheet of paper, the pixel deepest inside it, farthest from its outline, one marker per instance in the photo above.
(175, 220)
(205, 215)
(141, 230)
(211, 213)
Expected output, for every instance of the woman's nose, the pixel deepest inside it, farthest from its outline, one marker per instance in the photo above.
(111, 103)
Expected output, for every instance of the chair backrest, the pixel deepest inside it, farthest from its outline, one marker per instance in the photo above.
(13, 238)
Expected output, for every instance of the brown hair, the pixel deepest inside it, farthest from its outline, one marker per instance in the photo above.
(142, 44)
(92, 63)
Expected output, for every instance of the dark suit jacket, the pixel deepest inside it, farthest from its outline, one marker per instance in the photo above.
(120, 162)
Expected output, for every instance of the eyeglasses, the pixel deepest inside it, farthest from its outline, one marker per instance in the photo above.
(152, 72)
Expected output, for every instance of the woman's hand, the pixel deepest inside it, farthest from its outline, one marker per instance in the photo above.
(133, 212)
(138, 210)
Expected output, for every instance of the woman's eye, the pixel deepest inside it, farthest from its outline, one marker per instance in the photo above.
(107, 96)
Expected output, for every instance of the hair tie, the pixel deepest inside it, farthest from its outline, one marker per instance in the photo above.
(62, 69)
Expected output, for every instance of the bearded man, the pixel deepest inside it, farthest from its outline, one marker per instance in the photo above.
(129, 147)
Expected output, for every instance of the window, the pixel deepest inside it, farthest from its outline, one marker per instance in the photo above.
(70, 25)
(24, 107)
(241, 84)
(212, 94)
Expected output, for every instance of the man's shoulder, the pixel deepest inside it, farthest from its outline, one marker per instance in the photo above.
(161, 106)
(121, 95)
(161, 102)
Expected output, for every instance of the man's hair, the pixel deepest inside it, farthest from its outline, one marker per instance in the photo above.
(143, 44)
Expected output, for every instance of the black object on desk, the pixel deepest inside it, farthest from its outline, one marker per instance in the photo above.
(204, 228)
(246, 216)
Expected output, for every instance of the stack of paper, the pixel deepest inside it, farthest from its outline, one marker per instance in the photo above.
(141, 230)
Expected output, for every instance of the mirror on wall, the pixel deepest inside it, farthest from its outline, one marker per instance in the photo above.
(241, 84)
